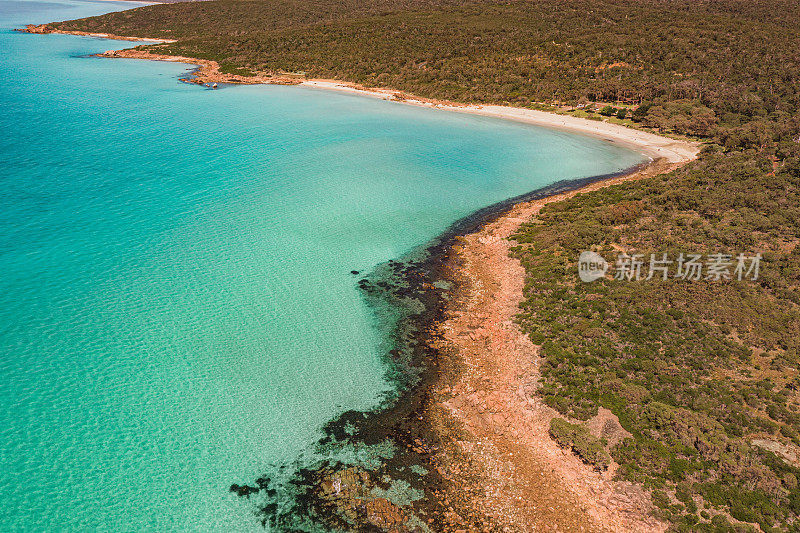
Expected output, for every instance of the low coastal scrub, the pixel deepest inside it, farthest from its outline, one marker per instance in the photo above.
(579, 440)
(701, 373)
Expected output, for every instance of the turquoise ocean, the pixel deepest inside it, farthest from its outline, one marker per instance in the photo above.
(177, 308)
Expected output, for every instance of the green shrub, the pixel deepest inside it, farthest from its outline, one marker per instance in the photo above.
(660, 499)
(640, 112)
(607, 111)
(579, 440)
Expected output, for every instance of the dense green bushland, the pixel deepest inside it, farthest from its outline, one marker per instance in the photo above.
(695, 370)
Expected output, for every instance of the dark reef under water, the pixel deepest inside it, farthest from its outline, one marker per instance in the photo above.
(374, 470)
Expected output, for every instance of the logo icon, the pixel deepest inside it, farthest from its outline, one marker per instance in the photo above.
(591, 266)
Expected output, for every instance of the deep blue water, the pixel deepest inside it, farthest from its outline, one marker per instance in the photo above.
(176, 303)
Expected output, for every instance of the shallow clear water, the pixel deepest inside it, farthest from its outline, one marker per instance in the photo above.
(176, 303)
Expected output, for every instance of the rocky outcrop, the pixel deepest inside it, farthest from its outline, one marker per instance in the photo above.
(36, 28)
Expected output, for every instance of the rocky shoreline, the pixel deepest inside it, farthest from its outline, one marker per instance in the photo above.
(47, 28)
(207, 72)
(529, 483)
(466, 441)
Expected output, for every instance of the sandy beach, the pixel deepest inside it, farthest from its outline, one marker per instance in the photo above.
(655, 146)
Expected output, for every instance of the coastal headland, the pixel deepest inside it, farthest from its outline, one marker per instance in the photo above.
(478, 423)
(489, 390)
